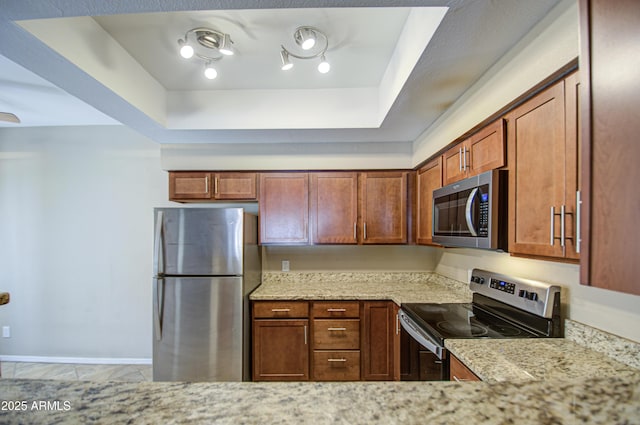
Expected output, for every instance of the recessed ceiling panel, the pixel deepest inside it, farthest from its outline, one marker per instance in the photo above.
(361, 42)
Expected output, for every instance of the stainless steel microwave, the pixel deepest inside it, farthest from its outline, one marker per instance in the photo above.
(472, 212)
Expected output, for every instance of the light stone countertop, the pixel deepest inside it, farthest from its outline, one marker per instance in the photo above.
(514, 360)
(591, 400)
(398, 287)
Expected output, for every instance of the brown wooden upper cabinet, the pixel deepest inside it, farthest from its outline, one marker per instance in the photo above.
(334, 207)
(429, 179)
(383, 207)
(284, 208)
(609, 61)
(186, 186)
(543, 169)
(483, 151)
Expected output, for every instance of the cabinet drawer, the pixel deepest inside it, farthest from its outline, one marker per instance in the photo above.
(336, 309)
(336, 334)
(280, 309)
(336, 365)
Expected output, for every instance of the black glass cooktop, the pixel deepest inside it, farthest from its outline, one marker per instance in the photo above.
(460, 320)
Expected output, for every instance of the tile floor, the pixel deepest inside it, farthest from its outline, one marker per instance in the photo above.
(76, 372)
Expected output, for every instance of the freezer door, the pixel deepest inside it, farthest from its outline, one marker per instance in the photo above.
(198, 329)
(199, 241)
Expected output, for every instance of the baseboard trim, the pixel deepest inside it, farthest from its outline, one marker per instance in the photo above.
(76, 360)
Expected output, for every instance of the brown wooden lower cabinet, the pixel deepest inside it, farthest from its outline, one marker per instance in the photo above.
(339, 341)
(280, 350)
(459, 372)
(380, 341)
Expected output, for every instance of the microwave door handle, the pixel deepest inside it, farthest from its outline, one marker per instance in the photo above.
(467, 212)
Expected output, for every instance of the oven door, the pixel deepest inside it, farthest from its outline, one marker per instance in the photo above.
(421, 357)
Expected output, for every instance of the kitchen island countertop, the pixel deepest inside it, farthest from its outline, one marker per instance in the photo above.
(585, 400)
(525, 359)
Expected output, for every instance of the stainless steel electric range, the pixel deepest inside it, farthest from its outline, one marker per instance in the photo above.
(502, 307)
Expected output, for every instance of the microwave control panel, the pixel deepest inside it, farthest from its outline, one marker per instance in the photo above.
(483, 222)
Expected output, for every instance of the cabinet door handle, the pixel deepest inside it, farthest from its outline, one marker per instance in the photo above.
(397, 324)
(355, 231)
(336, 310)
(336, 360)
(464, 158)
(460, 159)
(206, 184)
(365, 230)
(553, 225)
(336, 329)
(280, 310)
(562, 217)
(215, 185)
(305, 334)
(578, 210)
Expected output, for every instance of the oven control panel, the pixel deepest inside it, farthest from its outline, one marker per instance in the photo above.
(529, 295)
(503, 286)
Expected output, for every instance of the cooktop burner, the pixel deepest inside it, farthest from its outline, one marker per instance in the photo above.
(462, 320)
(467, 329)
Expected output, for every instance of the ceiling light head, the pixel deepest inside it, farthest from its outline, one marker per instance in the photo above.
(324, 66)
(186, 50)
(305, 37)
(210, 72)
(286, 62)
(225, 46)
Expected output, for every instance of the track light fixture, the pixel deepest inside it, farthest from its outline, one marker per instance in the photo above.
(208, 45)
(311, 40)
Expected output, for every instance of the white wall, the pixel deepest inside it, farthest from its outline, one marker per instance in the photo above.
(75, 240)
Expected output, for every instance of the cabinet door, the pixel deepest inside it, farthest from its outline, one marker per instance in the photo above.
(284, 208)
(334, 208)
(384, 207)
(485, 149)
(429, 179)
(536, 137)
(453, 168)
(459, 372)
(280, 350)
(240, 186)
(186, 185)
(609, 61)
(380, 341)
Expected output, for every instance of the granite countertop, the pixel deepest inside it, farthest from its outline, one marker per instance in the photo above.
(398, 287)
(588, 400)
(514, 360)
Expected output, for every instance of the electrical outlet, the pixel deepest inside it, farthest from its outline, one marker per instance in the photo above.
(285, 265)
(6, 332)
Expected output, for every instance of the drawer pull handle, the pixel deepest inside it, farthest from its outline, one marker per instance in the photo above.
(280, 310)
(336, 329)
(336, 360)
(336, 310)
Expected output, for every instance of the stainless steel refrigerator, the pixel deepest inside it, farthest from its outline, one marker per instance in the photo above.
(206, 262)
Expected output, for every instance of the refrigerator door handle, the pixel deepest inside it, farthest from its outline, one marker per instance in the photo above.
(158, 263)
(158, 306)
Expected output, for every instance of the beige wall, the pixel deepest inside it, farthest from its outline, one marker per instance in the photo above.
(350, 258)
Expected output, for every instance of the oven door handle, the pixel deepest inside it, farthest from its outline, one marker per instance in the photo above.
(467, 212)
(419, 335)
